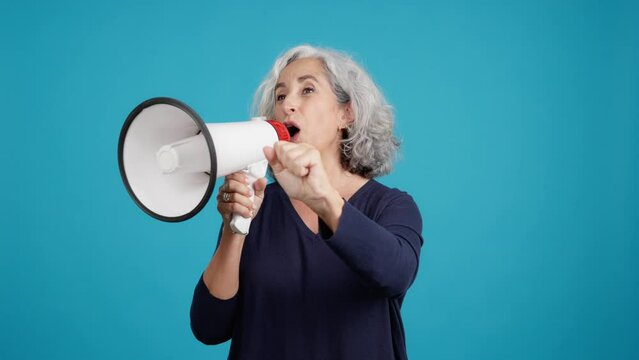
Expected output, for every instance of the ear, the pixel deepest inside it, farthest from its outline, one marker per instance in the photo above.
(346, 116)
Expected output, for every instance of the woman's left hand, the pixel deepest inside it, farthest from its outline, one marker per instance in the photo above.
(298, 169)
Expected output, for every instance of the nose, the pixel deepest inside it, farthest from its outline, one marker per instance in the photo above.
(289, 105)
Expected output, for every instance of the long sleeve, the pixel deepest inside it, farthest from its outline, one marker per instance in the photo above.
(383, 251)
(212, 319)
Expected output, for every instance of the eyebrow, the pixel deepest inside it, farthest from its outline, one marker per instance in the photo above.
(299, 79)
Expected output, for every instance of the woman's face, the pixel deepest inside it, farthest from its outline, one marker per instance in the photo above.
(304, 100)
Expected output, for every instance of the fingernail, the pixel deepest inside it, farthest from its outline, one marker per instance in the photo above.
(254, 207)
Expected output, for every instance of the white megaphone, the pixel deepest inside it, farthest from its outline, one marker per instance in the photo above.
(169, 158)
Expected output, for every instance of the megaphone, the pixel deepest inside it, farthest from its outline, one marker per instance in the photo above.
(169, 158)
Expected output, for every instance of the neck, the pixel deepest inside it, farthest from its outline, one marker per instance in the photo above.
(343, 181)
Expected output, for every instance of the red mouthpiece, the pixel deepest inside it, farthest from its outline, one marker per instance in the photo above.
(280, 129)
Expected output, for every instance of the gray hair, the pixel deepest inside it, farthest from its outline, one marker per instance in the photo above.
(368, 146)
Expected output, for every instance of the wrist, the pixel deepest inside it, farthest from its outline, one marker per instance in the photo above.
(230, 235)
(330, 209)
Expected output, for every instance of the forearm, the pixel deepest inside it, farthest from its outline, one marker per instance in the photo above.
(329, 209)
(222, 273)
(386, 255)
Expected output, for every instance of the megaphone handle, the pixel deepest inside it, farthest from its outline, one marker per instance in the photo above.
(240, 224)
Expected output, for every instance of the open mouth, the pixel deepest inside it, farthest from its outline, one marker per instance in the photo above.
(292, 130)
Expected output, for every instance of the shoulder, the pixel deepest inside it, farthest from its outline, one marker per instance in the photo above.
(381, 195)
(391, 194)
(273, 195)
(377, 199)
(272, 187)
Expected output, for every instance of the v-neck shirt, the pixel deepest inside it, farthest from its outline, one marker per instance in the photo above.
(319, 296)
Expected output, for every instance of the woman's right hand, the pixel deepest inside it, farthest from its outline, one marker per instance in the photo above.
(238, 200)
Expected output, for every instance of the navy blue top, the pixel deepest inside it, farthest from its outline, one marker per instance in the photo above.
(319, 296)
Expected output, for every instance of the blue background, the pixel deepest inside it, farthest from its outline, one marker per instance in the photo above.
(520, 123)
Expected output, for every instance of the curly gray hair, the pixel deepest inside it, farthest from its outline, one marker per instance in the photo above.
(368, 146)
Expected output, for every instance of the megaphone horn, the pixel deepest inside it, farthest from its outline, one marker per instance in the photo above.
(169, 158)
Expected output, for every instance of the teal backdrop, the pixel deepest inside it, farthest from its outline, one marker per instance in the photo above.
(520, 129)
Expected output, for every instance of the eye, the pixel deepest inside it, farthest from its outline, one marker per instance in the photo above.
(280, 97)
(308, 90)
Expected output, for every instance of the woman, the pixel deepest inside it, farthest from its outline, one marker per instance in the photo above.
(331, 252)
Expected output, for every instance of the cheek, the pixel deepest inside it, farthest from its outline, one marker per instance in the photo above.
(325, 129)
(324, 118)
(278, 113)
